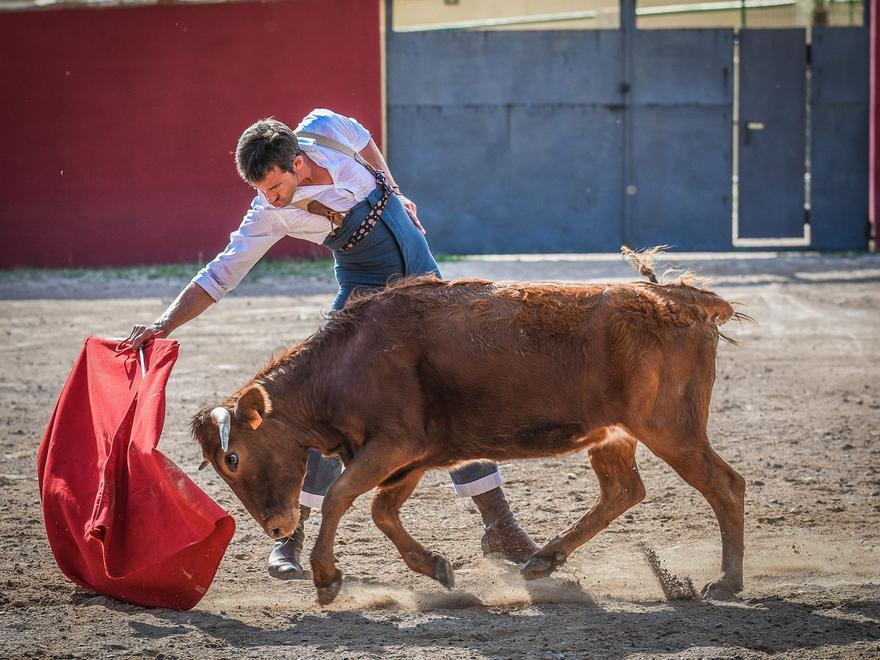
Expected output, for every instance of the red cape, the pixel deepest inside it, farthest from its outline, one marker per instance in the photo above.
(121, 518)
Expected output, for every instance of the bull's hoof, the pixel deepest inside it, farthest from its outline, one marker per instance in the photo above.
(443, 573)
(541, 566)
(327, 593)
(721, 590)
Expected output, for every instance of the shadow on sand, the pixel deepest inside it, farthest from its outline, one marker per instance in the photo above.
(460, 621)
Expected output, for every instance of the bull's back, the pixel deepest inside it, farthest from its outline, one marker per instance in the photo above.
(495, 370)
(514, 367)
(532, 364)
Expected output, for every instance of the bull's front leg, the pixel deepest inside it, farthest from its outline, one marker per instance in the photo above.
(372, 465)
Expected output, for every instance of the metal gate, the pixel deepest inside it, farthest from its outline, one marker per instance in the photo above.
(680, 127)
(578, 141)
(772, 138)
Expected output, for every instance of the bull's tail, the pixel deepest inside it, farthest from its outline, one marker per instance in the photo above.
(643, 260)
(715, 309)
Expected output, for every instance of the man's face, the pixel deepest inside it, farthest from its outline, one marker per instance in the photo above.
(279, 186)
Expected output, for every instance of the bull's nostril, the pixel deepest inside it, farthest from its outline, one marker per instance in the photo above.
(276, 533)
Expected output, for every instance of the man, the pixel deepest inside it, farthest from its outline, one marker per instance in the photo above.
(328, 183)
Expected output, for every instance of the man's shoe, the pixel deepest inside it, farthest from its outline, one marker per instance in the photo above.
(284, 558)
(503, 535)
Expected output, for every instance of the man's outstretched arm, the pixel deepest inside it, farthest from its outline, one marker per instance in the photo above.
(191, 302)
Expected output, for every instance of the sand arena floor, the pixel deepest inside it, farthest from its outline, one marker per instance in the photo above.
(795, 410)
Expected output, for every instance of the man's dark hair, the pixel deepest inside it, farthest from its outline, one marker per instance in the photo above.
(266, 144)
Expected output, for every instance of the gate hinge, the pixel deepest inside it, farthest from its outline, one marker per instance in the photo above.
(809, 54)
(806, 216)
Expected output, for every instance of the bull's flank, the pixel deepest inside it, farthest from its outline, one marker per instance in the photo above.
(427, 374)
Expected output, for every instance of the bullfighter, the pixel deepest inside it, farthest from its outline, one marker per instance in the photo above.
(328, 183)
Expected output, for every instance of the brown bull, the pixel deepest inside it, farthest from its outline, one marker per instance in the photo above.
(427, 374)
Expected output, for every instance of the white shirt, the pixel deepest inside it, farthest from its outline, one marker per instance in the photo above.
(264, 225)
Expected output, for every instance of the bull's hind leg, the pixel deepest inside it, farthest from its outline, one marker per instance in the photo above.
(620, 487)
(386, 515)
(723, 487)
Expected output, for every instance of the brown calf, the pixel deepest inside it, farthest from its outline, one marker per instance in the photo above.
(427, 374)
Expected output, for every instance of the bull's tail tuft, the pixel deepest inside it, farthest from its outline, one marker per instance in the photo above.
(643, 260)
(736, 316)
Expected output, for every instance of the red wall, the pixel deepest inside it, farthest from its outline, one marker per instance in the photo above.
(119, 125)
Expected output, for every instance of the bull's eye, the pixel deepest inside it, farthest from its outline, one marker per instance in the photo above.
(232, 461)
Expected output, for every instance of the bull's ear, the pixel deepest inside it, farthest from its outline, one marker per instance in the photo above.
(253, 406)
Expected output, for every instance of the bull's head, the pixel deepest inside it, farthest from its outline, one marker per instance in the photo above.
(256, 455)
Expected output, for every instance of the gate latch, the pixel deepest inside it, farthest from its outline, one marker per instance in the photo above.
(752, 126)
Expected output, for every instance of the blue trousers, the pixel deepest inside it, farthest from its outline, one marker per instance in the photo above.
(392, 249)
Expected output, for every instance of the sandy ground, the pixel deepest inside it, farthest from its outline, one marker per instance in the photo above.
(795, 410)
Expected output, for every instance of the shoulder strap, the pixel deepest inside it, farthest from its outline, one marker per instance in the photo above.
(330, 143)
(336, 218)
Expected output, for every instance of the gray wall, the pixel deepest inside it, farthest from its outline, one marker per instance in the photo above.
(510, 141)
(839, 149)
(578, 141)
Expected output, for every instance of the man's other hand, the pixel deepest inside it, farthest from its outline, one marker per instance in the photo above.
(143, 334)
(411, 211)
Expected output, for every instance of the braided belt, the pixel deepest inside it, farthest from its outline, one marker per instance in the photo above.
(372, 218)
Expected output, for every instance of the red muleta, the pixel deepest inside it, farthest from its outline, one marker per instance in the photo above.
(121, 518)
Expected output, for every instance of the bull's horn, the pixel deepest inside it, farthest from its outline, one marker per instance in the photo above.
(224, 420)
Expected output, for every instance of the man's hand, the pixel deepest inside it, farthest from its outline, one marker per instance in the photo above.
(411, 211)
(191, 302)
(142, 334)
(374, 157)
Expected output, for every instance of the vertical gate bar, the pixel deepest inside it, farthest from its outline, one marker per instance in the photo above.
(874, 142)
(628, 34)
(735, 117)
